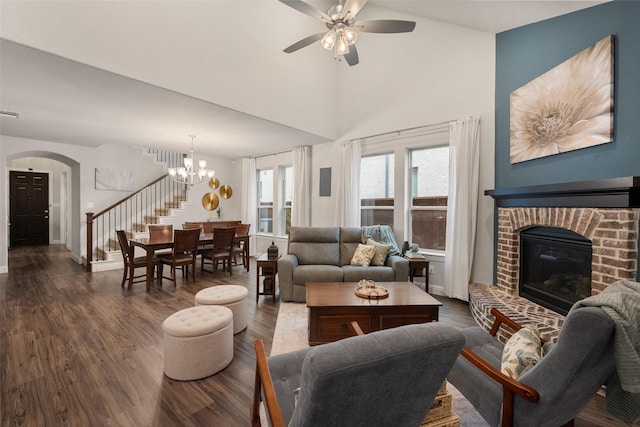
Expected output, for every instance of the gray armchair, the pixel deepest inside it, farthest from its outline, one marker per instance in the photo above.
(551, 393)
(384, 378)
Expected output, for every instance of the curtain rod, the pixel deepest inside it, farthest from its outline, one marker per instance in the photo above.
(278, 152)
(399, 132)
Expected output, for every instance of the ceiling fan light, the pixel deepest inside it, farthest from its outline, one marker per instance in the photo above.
(350, 35)
(329, 40)
(342, 48)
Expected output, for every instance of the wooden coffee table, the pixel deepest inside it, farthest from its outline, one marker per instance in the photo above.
(332, 306)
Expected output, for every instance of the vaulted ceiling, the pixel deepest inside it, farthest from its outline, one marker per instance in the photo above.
(150, 73)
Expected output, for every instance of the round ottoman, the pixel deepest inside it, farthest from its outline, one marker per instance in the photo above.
(232, 296)
(198, 342)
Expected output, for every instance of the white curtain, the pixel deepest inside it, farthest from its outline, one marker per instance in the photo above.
(348, 184)
(249, 196)
(464, 163)
(301, 210)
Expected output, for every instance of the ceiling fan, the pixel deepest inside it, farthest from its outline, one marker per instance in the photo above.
(340, 19)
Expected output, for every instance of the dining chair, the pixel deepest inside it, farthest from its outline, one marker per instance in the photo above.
(131, 262)
(240, 245)
(161, 231)
(222, 250)
(185, 250)
(200, 225)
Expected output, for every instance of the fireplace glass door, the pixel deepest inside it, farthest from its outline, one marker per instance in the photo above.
(555, 267)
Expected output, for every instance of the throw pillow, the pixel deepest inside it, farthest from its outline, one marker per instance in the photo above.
(363, 255)
(381, 253)
(521, 352)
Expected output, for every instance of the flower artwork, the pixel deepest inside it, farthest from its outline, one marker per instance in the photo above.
(567, 108)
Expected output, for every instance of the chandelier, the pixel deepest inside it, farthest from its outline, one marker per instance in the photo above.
(186, 174)
(339, 38)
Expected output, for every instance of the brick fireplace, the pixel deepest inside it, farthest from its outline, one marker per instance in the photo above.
(606, 212)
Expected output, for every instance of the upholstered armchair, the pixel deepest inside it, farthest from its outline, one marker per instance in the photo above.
(554, 390)
(389, 377)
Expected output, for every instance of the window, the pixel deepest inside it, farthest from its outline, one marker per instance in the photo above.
(286, 197)
(429, 189)
(265, 200)
(376, 189)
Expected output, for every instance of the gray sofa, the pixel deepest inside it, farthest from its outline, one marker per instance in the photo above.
(323, 254)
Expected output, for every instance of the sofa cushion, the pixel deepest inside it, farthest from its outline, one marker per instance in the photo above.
(317, 273)
(354, 273)
(315, 245)
(382, 251)
(350, 238)
(363, 255)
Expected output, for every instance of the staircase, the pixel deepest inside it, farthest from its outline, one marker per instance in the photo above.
(159, 202)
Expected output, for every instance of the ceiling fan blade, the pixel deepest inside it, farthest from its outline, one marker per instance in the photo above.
(303, 7)
(304, 42)
(352, 56)
(385, 26)
(352, 7)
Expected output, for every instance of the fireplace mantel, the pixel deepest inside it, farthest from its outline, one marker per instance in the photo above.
(604, 193)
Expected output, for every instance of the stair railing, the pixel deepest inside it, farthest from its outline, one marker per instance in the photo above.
(131, 212)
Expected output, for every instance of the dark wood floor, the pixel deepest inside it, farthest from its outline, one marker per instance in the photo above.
(77, 350)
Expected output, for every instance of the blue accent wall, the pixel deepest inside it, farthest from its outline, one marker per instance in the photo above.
(524, 53)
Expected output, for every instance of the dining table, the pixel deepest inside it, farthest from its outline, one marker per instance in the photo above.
(151, 245)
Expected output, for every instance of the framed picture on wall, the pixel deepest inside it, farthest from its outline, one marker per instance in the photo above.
(567, 108)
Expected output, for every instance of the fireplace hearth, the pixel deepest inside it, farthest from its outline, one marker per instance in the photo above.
(555, 267)
(604, 212)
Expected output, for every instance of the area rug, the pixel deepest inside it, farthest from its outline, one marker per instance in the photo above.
(291, 334)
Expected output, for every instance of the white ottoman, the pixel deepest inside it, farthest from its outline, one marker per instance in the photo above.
(232, 296)
(198, 342)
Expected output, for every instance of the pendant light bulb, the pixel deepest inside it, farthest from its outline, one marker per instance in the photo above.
(342, 47)
(329, 40)
(350, 35)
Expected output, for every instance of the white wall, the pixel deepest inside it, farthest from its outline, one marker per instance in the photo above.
(444, 73)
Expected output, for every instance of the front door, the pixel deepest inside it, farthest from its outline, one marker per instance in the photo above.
(29, 208)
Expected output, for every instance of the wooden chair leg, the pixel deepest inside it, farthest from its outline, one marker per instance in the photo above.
(124, 276)
(131, 273)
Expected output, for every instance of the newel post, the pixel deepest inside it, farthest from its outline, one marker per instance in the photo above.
(89, 240)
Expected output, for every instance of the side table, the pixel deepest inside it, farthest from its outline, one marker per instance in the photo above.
(416, 268)
(267, 268)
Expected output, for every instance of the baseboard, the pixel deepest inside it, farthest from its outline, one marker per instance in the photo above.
(4, 269)
(437, 290)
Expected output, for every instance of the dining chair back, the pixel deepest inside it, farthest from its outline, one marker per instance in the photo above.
(242, 229)
(222, 249)
(131, 262)
(160, 230)
(241, 245)
(190, 225)
(185, 249)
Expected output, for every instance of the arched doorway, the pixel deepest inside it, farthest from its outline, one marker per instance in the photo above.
(65, 188)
